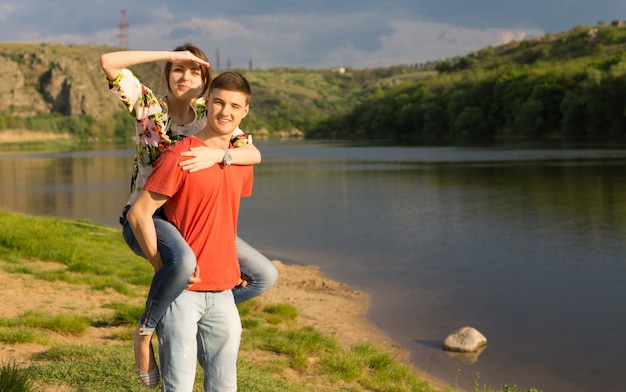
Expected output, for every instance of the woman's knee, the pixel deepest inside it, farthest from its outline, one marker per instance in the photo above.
(270, 274)
(183, 260)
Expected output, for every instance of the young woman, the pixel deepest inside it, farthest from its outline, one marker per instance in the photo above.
(160, 122)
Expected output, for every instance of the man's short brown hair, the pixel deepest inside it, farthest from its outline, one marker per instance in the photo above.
(232, 81)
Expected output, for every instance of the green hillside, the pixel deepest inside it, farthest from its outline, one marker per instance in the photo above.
(61, 88)
(566, 85)
(285, 99)
(559, 86)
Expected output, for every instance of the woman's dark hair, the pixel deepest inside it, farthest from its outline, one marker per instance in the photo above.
(205, 71)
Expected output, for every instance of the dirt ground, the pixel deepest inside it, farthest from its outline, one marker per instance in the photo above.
(329, 306)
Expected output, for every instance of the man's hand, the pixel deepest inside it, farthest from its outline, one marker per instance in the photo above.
(203, 158)
(195, 277)
(242, 283)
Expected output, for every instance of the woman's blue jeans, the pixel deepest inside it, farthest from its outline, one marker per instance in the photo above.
(179, 262)
(256, 269)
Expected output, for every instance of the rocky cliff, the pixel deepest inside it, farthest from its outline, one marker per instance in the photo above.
(64, 79)
(47, 78)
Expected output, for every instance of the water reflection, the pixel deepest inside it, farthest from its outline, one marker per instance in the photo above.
(83, 186)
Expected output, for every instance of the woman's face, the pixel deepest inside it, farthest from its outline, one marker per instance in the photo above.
(185, 80)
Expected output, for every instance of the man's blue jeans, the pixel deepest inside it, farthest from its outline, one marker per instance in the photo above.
(204, 326)
(179, 263)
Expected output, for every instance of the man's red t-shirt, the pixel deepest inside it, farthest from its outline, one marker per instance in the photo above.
(204, 205)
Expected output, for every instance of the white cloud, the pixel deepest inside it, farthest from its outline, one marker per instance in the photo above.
(6, 10)
(417, 42)
(317, 41)
(315, 35)
(161, 13)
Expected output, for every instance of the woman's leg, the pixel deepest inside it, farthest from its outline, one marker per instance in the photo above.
(256, 269)
(168, 282)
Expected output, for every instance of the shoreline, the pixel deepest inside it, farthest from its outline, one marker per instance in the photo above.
(335, 309)
(25, 135)
(331, 307)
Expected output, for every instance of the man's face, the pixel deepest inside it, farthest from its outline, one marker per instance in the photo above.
(185, 79)
(225, 110)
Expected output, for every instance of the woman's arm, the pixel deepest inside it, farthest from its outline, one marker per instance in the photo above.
(112, 63)
(205, 157)
(245, 155)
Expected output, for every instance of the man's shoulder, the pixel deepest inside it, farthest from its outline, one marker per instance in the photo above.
(171, 154)
(184, 144)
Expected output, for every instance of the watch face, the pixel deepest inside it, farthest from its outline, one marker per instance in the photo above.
(227, 158)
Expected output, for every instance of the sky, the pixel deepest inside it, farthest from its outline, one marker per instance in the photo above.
(302, 33)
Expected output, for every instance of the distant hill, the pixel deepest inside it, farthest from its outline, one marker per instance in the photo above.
(563, 85)
(54, 83)
(581, 43)
(568, 85)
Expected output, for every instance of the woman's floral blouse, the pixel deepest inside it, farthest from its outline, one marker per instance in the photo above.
(155, 130)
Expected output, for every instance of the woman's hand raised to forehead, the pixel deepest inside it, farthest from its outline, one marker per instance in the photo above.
(181, 56)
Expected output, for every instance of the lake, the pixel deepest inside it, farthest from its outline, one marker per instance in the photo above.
(522, 242)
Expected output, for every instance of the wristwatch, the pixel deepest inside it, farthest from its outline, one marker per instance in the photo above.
(227, 158)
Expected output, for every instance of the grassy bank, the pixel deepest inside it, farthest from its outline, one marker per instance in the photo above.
(85, 344)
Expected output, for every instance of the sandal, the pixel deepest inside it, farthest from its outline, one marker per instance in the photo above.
(149, 379)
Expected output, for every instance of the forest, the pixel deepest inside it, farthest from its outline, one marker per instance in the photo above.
(568, 86)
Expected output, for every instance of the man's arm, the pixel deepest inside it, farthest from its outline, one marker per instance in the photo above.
(141, 222)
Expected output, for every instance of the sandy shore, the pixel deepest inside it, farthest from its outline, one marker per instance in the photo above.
(24, 135)
(333, 308)
(327, 305)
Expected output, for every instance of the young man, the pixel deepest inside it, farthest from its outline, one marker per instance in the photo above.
(203, 322)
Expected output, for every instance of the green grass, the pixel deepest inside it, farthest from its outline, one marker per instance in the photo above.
(125, 314)
(15, 378)
(20, 334)
(93, 254)
(87, 368)
(277, 353)
(35, 327)
(67, 324)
